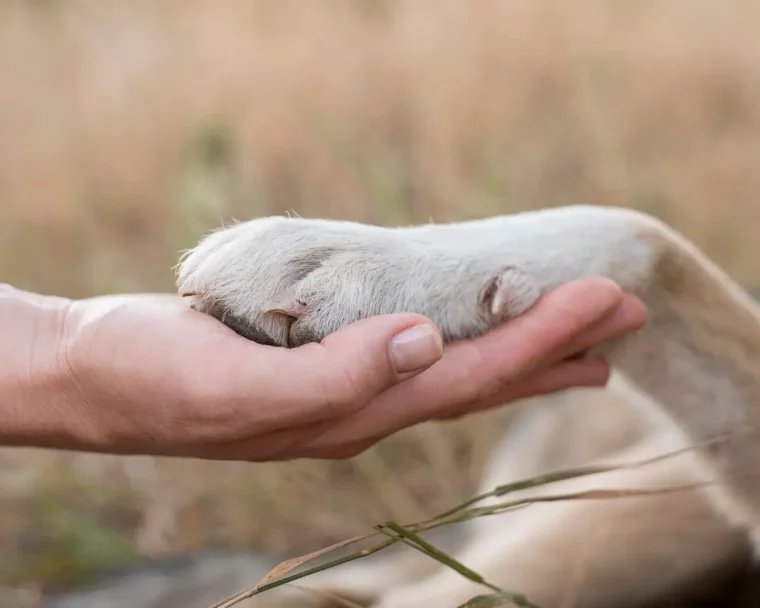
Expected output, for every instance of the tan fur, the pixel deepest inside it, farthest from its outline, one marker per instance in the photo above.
(621, 552)
(654, 550)
(693, 372)
(625, 552)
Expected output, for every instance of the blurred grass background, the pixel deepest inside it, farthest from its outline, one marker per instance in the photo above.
(130, 127)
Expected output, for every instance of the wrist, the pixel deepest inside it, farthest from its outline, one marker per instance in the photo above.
(35, 384)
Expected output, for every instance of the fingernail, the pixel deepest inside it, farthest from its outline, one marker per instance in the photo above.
(415, 348)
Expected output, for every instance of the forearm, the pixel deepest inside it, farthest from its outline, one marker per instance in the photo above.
(34, 385)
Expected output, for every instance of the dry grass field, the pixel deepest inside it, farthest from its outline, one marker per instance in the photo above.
(128, 128)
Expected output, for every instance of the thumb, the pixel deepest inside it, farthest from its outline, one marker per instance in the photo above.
(358, 362)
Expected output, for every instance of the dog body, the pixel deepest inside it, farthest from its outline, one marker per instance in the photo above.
(650, 550)
(692, 376)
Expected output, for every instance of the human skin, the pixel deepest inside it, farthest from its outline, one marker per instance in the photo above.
(144, 374)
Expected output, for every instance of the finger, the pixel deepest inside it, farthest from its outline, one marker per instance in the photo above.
(476, 370)
(473, 369)
(630, 316)
(539, 338)
(589, 373)
(368, 357)
(334, 378)
(327, 439)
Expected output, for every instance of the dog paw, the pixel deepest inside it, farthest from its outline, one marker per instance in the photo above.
(289, 281)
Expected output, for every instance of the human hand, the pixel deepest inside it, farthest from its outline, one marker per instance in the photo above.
(143, 374)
